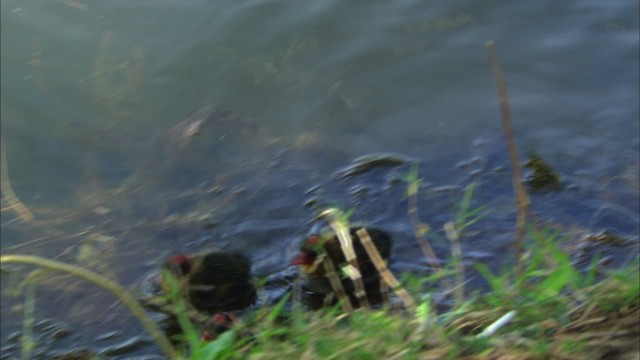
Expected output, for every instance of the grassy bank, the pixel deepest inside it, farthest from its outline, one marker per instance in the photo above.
(556, 311)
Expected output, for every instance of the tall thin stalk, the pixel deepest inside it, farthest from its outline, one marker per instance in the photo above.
(384, 271)
(456, 255)
(27, 343)
(518, 186)
(336, 285)
(133, 306)
(7, 192)
(419, 228)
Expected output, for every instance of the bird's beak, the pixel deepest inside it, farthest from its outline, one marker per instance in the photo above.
(305, 261)
(302, 259)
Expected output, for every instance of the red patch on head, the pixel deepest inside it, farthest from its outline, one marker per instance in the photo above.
(313, 240)
(179, 263)
(304, 258)
(207, 336)
(178, 259)
(225, 319)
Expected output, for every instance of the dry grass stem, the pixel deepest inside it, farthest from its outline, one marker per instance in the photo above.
(418, 227)
(334, 280)
(384, 293)
(27, 343)
(133, 306)
(518, 185)
(456, 254)
(384, 271)
(7, 192)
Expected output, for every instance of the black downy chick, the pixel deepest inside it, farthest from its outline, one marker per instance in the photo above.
(215, 282)
(317, 286)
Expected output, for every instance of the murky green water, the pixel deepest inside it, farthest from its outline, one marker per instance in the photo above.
(103, 148)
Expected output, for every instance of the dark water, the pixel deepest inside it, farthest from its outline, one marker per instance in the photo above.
(94, 95)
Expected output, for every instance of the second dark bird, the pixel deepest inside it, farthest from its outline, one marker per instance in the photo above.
(215, 282)
(317, 287)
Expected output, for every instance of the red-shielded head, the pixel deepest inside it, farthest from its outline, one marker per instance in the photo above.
(179, 263)
(308, 252)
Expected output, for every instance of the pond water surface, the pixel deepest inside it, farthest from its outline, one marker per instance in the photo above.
(134, 129)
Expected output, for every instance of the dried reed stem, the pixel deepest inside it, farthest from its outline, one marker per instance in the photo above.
(419, 230)
(384, 293)
(518, 186)
(27, 343)
(347, 248)
(426, 248)
(7, 191)
(336, 284)
(456, 254)
(384, 271)
(133, 306)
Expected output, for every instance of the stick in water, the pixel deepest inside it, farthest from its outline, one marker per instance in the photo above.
(521, 192)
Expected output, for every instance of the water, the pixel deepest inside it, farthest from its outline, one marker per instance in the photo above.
(92, 90)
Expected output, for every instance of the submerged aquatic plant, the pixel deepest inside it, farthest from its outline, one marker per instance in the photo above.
(542, 176)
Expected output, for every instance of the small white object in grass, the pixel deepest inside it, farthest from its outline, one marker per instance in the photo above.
(491, 329)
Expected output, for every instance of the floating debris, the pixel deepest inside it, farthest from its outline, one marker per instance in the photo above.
(212, 121)
(542, 177)
(609, 238)
(191, 126)
(101, 210)
(372, 161)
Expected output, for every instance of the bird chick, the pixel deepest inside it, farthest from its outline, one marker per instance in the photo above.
(318, 247)
(215, 282)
